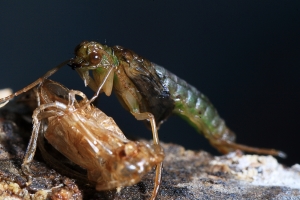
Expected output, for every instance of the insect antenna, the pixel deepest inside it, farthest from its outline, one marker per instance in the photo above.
(5, 100)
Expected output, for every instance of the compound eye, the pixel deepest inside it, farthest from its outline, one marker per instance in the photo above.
(95, 57)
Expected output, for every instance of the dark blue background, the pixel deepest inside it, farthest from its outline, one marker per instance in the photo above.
(244, 55)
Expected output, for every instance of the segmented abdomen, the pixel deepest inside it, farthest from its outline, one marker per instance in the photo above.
(195, 107)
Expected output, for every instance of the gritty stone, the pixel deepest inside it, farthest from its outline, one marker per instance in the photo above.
(186, 174)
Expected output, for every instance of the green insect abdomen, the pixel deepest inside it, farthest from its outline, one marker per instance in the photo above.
(194, 107)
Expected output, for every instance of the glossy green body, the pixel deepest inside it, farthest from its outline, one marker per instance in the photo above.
(194, 107)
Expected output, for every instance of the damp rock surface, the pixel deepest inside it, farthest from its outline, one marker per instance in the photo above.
(186, 174)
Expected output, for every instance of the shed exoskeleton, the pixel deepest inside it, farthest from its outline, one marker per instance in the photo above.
(90, 139)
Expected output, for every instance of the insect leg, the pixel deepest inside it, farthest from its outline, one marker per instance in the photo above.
(30, 150)
(72, 98)
(157, 181)
(28, 87)
(148, 116)
(158, 171)
(38, 114)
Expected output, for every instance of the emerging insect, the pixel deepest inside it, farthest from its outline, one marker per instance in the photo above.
(90, 139)
(150, 92)
(143, 86)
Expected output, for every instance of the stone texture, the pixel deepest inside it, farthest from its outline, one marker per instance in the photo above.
(186, 175)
